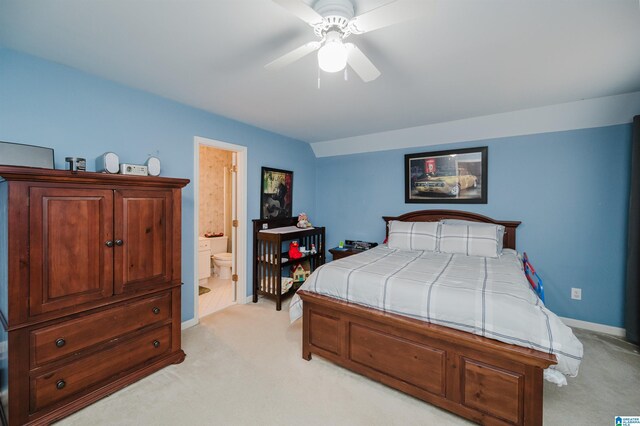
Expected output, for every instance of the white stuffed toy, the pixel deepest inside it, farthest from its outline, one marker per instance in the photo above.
(303, 221)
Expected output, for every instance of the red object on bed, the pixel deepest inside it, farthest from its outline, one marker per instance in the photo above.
(531, 273)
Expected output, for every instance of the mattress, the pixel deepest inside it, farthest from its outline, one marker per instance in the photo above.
(489, 297)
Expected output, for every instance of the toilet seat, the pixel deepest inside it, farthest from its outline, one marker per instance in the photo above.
(222, 256)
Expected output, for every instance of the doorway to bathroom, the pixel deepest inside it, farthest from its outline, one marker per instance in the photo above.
(220, 225)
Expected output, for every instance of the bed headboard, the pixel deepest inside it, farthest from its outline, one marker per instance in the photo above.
(437, 215)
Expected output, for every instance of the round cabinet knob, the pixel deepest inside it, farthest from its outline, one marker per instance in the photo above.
(60, 342)
(156, 344)
(109, 243)
(60, 384)
(119, 242)
(156, 310)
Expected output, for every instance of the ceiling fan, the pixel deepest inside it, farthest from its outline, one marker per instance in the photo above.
(333, 21)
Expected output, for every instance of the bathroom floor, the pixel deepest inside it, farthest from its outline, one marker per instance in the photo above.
(220, 296)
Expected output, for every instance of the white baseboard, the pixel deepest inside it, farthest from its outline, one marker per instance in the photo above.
(600, 328)
(249, 299)
(190, 323)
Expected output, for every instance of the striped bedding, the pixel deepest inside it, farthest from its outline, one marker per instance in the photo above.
(489, 297)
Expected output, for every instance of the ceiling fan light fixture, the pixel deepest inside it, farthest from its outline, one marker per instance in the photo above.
(332, 22)
(332, 56)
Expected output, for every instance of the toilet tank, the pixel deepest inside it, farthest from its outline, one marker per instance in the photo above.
(218, 245)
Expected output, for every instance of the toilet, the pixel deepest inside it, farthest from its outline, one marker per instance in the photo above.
(221, 259)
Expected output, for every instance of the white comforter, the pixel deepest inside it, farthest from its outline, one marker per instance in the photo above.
(485, 296)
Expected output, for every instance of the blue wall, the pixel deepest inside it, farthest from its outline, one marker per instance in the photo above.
(77, 114)
(569, 189)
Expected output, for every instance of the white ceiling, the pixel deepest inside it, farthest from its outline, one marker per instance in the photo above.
(464, 58)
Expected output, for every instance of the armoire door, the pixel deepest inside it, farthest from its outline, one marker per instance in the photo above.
(70, 247)
(142, 233)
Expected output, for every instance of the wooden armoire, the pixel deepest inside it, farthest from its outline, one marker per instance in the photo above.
(89, 287)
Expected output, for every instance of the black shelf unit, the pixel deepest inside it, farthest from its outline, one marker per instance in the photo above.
(268, 254)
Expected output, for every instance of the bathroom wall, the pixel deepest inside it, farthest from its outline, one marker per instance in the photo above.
(215, 202)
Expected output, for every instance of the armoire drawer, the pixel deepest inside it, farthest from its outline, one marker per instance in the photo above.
(60, 340)
(76, 377)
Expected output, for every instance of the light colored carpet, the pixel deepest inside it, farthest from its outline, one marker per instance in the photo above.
(244, 367)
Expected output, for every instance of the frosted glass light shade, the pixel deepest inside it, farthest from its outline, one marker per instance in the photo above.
(332, 57)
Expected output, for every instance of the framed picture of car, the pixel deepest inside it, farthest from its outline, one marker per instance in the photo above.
(453, 176)
(276, 193)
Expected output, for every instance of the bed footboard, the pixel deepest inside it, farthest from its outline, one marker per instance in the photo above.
(484, 380)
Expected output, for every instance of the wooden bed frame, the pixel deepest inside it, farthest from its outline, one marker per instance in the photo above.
(484, 380)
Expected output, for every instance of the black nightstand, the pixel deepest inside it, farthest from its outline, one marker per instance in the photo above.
(339, 254)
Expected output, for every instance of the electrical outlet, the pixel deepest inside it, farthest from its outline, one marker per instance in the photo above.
(576, 293)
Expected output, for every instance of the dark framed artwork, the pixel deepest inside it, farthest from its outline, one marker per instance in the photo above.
(276, 193)
(453, 176)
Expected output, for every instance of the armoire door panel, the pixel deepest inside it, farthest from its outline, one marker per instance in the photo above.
(143, 220)
(69, 261)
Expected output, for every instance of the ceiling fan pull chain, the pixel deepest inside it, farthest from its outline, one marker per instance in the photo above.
(318, 78)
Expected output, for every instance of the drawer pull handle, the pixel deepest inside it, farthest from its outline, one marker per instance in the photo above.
(156, 310)
(109, 243)
(156, 344)
(60, 384)
(60, 343)
(119, 242)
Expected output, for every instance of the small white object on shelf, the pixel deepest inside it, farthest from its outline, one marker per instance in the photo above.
(303, 221)
(133, 169)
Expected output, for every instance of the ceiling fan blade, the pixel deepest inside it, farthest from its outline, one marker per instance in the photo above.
(391, 13)
(361, 64)
(294, 55)
(301, 10)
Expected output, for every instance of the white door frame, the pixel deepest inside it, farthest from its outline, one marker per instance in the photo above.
(242, 215)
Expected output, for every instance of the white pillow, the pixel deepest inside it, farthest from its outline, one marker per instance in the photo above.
(499, 228)
(413, 235)
(470, 240)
